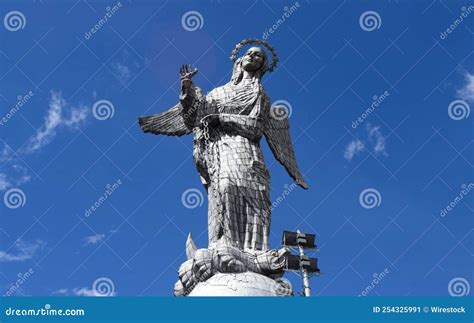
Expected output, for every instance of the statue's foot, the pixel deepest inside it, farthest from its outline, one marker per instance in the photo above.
(223, 258)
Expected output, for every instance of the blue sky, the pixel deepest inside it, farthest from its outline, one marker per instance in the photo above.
(412, 153)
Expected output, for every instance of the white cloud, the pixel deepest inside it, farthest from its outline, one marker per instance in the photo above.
(4, 182)
(94, 239)
(79, 291)
(16, 175)
(122, 72)
(353, 148)
(13, 172)
(60, 114)
(75, 292)
(125, 67)
(5, 153)
(24, 251)
(376, 139)
(467, 91)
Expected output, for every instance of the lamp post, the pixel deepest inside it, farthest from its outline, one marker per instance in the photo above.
(302, 263)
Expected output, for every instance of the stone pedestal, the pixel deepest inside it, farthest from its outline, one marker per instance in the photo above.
(242, 284)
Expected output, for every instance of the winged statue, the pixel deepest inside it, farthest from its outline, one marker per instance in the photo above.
(227, 125)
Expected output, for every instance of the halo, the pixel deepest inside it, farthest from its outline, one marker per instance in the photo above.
(244, 42)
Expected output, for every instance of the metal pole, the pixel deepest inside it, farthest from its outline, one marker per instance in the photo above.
(307, 289)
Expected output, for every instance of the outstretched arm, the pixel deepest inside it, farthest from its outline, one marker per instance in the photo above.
(180, 119)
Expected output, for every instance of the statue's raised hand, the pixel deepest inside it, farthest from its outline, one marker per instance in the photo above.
(186, 73)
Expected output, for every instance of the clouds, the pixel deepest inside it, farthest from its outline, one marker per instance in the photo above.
(60, 115)
(467, 91)
(374, 139)
(125, 67)
(13, 172)
(4, 183)
(122, 72)
(101, 287)
(94, 239)
(22, 251)
(78, 291)
(353, 148)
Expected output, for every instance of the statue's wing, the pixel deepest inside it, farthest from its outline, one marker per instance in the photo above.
(277, 132)
(170, 123)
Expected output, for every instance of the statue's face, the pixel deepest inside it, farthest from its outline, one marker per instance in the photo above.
(253, 59)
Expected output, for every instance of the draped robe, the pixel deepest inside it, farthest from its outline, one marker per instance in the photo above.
(230, 162)
(228, 124)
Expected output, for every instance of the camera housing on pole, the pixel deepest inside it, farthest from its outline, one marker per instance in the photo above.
(301, 263)
(295, 239)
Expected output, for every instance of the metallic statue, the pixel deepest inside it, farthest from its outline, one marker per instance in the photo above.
(227, 125)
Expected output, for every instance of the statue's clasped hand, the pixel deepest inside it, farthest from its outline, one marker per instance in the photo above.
(212, 121)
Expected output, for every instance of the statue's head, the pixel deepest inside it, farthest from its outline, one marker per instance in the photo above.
(254, 61)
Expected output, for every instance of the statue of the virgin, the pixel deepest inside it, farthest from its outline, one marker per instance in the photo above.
(227, 125)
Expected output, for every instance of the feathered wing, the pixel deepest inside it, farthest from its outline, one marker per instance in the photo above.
(277, 132)
(170, 123)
